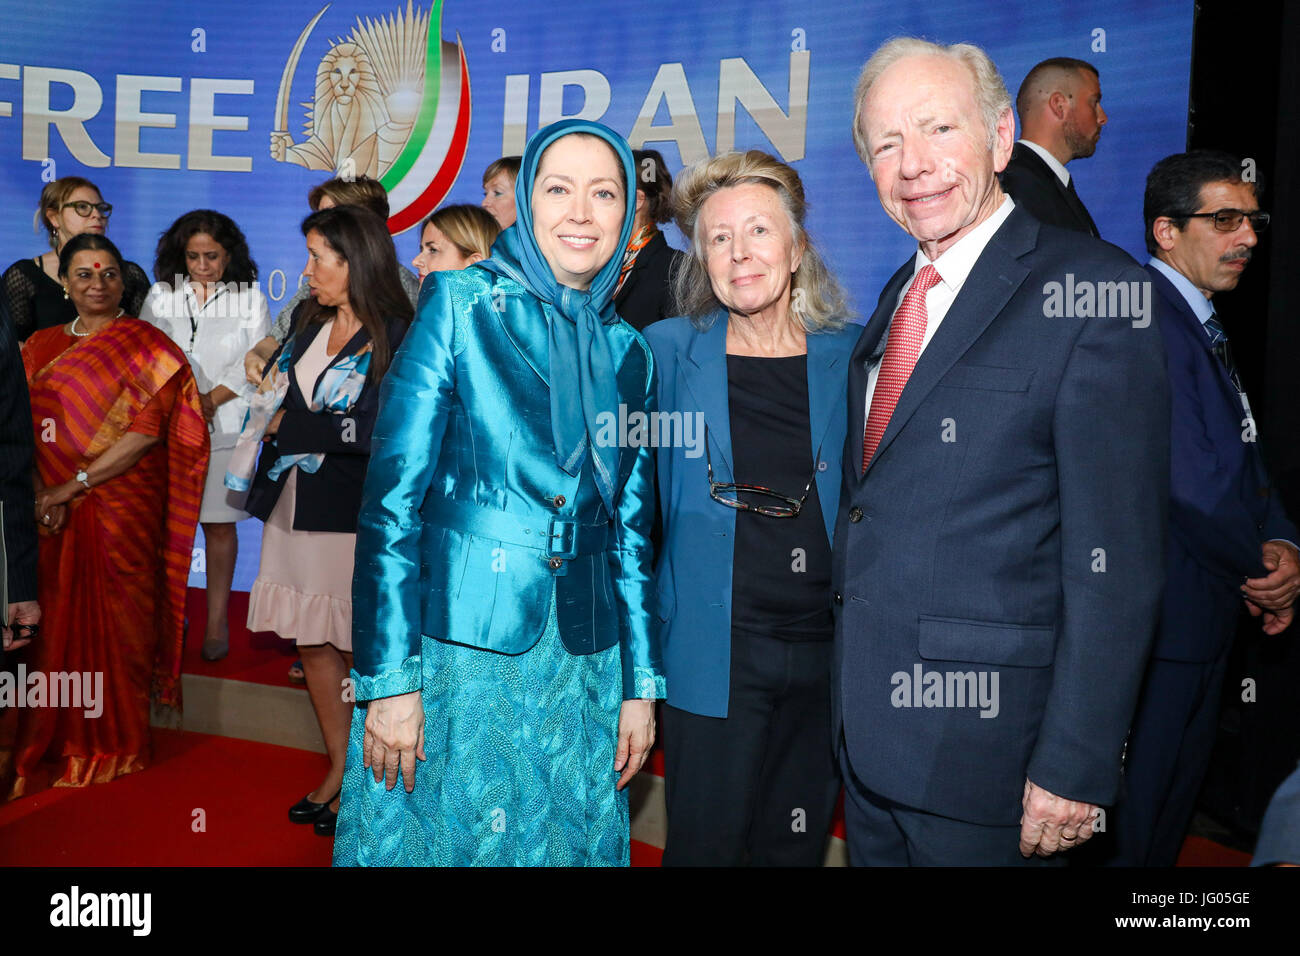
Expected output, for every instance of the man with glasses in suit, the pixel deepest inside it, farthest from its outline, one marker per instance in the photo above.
(1229, 540)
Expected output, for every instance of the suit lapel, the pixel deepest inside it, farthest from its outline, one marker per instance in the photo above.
(359, 338)
(823, 399)
(703, 370)
(1076, 204)
(867, 342)
(994, 279)
(528, 331)
(1068, 195)
(1193, 327)
(823, 357)
(300, 344)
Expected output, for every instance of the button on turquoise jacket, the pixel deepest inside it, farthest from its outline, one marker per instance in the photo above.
(469, 530)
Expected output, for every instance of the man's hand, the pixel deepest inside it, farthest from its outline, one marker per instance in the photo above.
(1275, 622)
(18, 614)
(1052, 823)
(1277, 591)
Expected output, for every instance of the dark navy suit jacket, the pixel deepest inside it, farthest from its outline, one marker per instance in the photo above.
(1220, 506)
(18, 529)
(329, 499)
(1036, 189)
(693, 575)
(1011, 521)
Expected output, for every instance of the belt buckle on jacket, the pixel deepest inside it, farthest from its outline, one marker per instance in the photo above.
(561, 542)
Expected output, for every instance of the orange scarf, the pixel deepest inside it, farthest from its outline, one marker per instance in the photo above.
(638, 242)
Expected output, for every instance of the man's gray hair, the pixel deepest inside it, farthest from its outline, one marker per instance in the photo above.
(991, 94)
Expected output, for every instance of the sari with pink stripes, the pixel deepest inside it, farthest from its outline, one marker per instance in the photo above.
(112, 581)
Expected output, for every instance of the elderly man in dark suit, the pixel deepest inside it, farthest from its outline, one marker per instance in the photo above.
(18, 531)
(1229, 539)
(1059, 105)
(997, 560)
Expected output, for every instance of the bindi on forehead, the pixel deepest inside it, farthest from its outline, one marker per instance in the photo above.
(96, 265)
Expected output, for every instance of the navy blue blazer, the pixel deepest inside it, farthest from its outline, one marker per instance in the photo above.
(1010, 524)
(1035, 188)
(330, 499)
(693, 575)
(1221, 508)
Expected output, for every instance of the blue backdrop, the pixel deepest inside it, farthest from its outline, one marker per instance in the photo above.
(172, 107)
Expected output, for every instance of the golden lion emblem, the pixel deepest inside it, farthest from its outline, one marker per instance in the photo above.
(369, 87)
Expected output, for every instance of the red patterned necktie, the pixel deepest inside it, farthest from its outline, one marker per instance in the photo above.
(906, 334)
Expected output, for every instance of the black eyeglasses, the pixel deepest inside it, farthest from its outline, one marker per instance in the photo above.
(1229, 220)
(718, 491)
(84, 208)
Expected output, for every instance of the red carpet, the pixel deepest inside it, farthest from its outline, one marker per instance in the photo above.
(243, 790)
(1198, 851)
(258, 657)
(147, 819)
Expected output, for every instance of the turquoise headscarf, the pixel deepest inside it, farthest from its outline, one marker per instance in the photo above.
(581, 361)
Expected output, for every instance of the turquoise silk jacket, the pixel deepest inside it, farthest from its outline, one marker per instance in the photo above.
(469, 531)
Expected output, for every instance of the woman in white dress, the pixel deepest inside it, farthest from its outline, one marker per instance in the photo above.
(206, 299)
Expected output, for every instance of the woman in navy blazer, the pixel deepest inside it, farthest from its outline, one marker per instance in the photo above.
(757, 369)
(314, 412)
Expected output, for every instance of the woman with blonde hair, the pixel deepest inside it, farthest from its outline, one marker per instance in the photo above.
(455, 237)
(499, 189)
(760, 361)
(31, 288)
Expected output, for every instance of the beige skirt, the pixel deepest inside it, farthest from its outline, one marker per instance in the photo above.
(303, 590)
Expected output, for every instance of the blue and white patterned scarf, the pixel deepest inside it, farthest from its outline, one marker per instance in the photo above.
(336, 393)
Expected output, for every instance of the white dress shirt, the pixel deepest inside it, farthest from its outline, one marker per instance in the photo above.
(1052, 162)
(215, 336)
(953, 267)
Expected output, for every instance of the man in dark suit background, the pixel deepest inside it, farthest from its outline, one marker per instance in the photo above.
(1059, 105)
(1229, 539)
(998, 554)
(16, 496)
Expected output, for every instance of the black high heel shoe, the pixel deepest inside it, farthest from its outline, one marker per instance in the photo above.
(325, 823)
(307, 811)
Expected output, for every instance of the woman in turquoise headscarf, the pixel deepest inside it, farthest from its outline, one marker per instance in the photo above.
(505, 662)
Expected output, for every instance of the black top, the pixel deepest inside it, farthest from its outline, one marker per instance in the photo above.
(330, 499)
(781, 567)
(646, 296)
(1031, 183)
(36, 301)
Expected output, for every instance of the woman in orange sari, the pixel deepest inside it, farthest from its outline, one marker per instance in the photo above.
(121, 453)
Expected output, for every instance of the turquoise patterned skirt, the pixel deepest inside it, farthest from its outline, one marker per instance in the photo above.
(519, 769)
